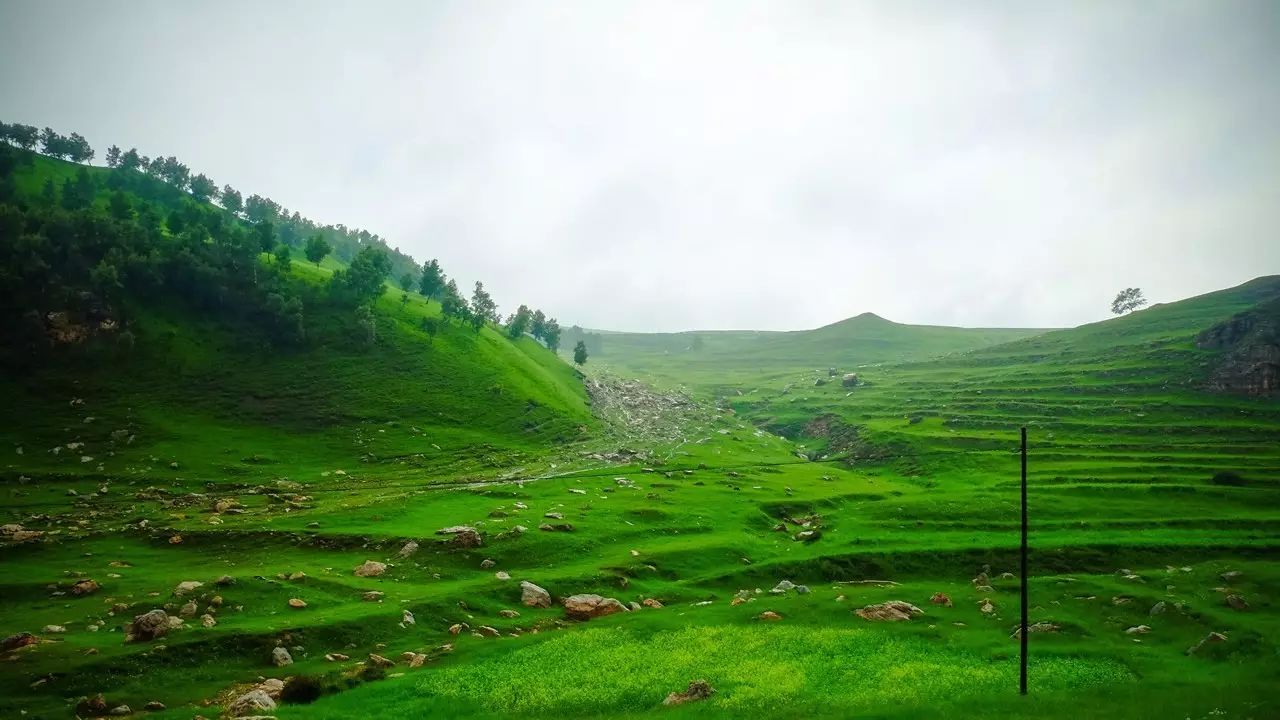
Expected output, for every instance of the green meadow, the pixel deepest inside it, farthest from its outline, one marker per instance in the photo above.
(205, 452)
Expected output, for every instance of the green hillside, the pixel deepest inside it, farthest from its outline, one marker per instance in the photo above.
(726, 359)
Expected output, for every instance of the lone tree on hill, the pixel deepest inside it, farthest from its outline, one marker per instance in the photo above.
(316, 248)
(432, 280)
(580, 353)
(1128, 300)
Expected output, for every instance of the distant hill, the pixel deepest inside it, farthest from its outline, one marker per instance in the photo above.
(722, 358)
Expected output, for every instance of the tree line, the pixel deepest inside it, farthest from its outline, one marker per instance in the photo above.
(85, 246)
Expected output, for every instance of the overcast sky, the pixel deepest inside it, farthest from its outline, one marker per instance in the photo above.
(706, 165)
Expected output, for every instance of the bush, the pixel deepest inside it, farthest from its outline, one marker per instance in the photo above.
(300, 689)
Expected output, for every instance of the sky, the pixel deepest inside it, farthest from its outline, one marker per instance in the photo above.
(661, 166)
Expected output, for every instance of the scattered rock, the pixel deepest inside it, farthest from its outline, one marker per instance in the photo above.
(1138, 630)
(533, 596)
(1040, 627)
(891, 611)
(558, 527)
(84, 587)
(120, 710)
(488, 631)
(95, 706)
(187, 586)
(986, 607)
(336, 657)
(1236, 602)
(1213, 637)
(652, 603)
(940, 599)
(1158, 608)
(697, 690)
(1231, 575)
(378, 661)
(224, 581)
(509, 613)
(409, 548)
(281, 657)
(457, 628)
(502, 575)
(372, 596)
(147, 626)
(588, 605)
(189, 609)
(487, 564)
(251, 703)
(769, 615)
(208, 620)
(782, 587)
(370, 568)
(17, 640)
(463, 536)
(153, 706)
(53, 629)
(297, 603)
(406, 618)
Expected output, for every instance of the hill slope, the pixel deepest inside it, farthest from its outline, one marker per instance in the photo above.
(214, 390)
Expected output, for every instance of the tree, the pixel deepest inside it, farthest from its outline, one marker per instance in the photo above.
(483, 308)
(202, 188)
(367, 321)
(284, 258)
(113, 156)
(430, 326)
(24, 136)
(317, 247)
(551, 335)
(361, 282)
(538, 325)
(432, 281)
(518, 325)
(406, 282)
(580, 353)
(1128, 300)
(452, 304)
(49, 194)
(232, 202)
(77, 148)
(52, 144)
(130, 160)
(120, 207)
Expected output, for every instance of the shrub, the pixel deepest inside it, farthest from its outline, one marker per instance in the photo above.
(1228, 477)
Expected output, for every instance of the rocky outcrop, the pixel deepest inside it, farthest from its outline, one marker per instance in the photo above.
(1249, 347)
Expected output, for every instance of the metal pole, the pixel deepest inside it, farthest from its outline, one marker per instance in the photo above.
(1022, 665)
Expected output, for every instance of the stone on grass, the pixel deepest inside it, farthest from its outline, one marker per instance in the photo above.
(1236, 602)
(697, 690)
(147, 626)
(187, 586)
(769, 615)
(940, 599)
(533, 596)
(589, 605)
(409, 548)
(85, 586)
(891, 611)
(297, 603)
(370, 568)
(281, 657)
(251, 703)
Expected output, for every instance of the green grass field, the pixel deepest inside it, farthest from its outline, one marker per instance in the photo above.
(285, 470)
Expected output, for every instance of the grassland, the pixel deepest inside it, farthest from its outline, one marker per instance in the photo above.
(293, 468)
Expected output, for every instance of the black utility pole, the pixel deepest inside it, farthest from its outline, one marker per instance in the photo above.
(1022, 663)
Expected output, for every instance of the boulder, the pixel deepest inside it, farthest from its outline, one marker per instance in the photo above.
(187, 586)
(95, 706)
(891, 611)
(84, 587)
(849, 380)
(1213, 637)
(769, 615)
(1040, 627)
(253, 702)
(697, 690)
(1138, 630)
(463, 536)
(589, 605)
(409, 548)
(378, 661)
(370, 568)
(783, 587)
(652, 603)
(297, 603)
(17, 640)
(1236, 602)
(281, 657)
(147, 626)
(940, 599)
(533, 596)
(1158, 608)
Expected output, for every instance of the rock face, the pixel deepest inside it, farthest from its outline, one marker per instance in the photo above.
(533, 596)
(697, 690)
(891, 611)
(147, 626)
(370, 568)
(587, 606)
(1249, 342)
(251, 703)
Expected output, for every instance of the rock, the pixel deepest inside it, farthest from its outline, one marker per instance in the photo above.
(120, 710)
(488, 631)
(281, 657)
(783, 587)
(84, 587)
(208, 620)
(697, 690)
(1231, 576)
(849, 380)
(981, 579)
(891, 611)
(457, 628)
(463, 536)
(272, 687)
(769, 615)
(95, 706)
(297, 603)
(175, 622)
(1212, 637)
(1138, 630)
(189, 609)
(187, 586)
(370, 568)
(940, 599)
(406, 618)
(487, 564)
(378, 661)
(147, 626)
(554, 516)
(1158, 608)
(986, 607)
(17, 640)
(336, 657)
(153, 706)
(1040, 627)
(414, 659)
(588, 605)
(1236, 602)
(558, 527)
(251, 703)
(372, 596)
(224, 581)
(533, 596)
(652, 603)
(53, 629)
(509, 613)
(502, 575)
(409, 548)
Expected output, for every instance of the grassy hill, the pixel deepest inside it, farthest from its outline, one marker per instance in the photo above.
(720, 360)
(213, 393)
